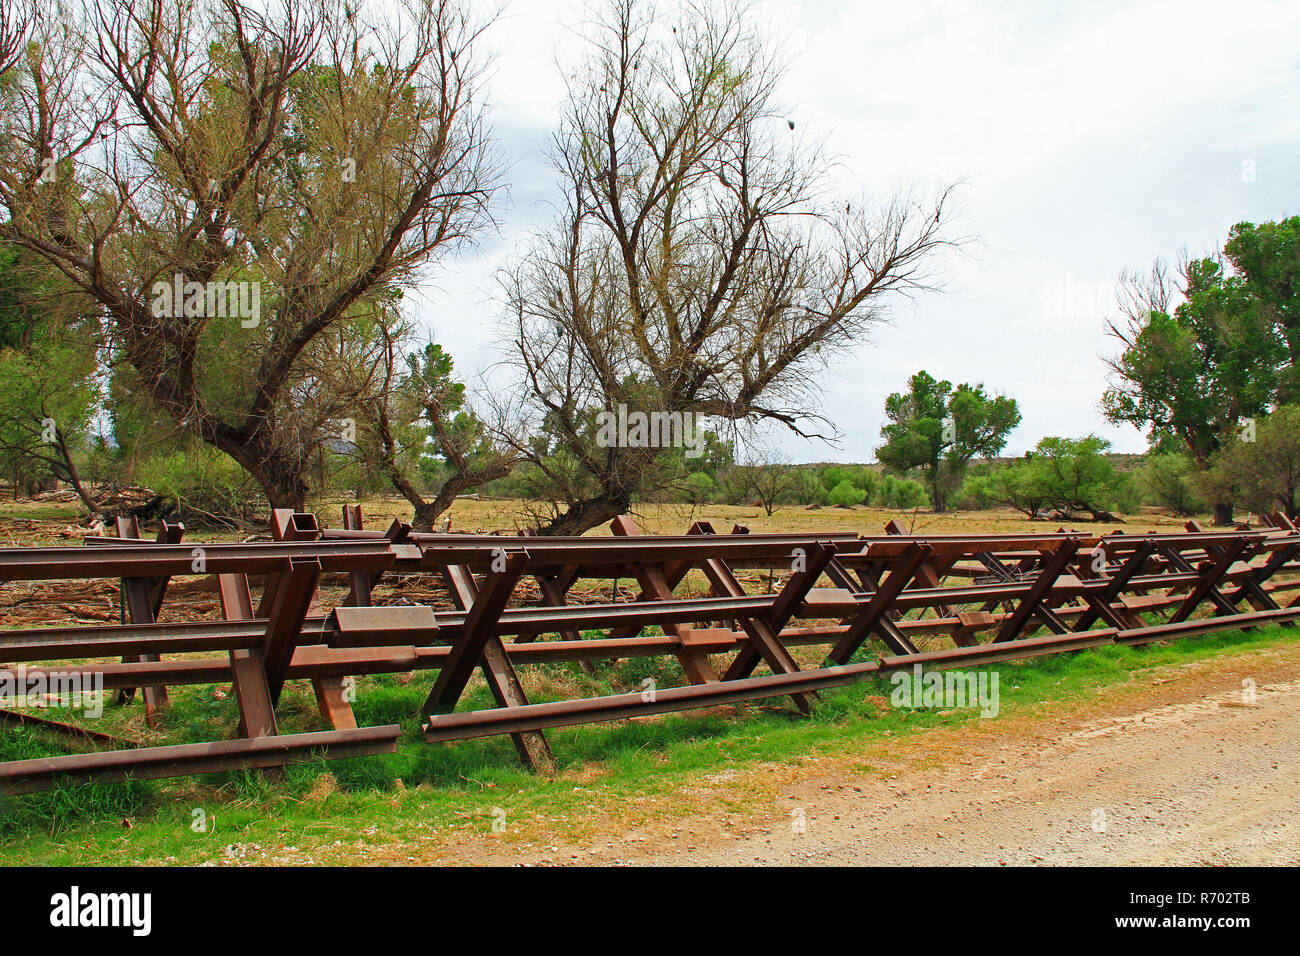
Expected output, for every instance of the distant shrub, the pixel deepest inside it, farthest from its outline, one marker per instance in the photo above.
(846, 494)
(977, 493)
(858, 476)
(808, 489)
(900, 494)
(698, 488)
(1169, 481)
(201, 482)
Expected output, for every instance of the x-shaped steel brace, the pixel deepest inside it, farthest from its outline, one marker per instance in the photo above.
(1206, 585)
(478, 645)
(1031, 605)
(874, 618)
(1099, 605)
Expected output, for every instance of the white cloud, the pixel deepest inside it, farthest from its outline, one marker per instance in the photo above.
(1094, 139)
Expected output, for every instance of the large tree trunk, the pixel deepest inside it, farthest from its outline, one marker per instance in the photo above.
(282, 478)
(424, 517)
(1222, 513)
(424, 511)
(587, 514)
(74, 478)
(427, 511)
(284, 490)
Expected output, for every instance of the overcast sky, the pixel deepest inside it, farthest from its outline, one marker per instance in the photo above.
(1092, 140)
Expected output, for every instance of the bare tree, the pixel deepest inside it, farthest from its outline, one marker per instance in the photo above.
(15, 30)
(306, 159)
(764, 475)
(699, 263)
(1138, 295)
(767, 484)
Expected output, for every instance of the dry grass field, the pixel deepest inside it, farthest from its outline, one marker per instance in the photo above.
(27, 522)
(507, 515)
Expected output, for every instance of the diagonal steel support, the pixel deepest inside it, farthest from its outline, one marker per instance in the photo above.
(502, 680)
(467, 649)
(1253, 587)
(1099, 605)
(331, 692)
(1030, 604)
(247, 667)
(928, 574)
(674, 572)
(553, 588)
(1207, 585)
(874, 618)
(293, 594)
(765, 632)
(141, 603)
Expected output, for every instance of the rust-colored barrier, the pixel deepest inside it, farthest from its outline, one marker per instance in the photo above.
(875, 603)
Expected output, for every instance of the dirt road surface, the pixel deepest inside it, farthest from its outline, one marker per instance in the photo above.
(1184, 765)
(1211, 780)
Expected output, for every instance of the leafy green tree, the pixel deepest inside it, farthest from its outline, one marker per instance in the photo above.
(693, 477)
(846, 494)
(425, 415)
(976, 492)
(1198, 371)
(244, 190)
(1079, 477)
(1169, 478)
(1267, 257)
(1264, 473)
(48, 397)
(712, 455)
(937, 430)
(699, 487)
(1023, 485)
(1063, 476)
(809, 489)
(49, 378)
(194, 482)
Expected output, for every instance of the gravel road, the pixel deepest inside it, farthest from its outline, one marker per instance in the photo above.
(1214, 779)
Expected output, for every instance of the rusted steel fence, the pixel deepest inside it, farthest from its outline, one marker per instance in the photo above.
(876, 604)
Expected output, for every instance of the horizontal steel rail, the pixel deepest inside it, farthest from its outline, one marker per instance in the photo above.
(26, 776)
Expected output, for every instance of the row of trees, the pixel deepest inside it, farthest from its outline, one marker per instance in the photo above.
(211, 212)
(935, 431)
(1061, 479)
(768, 486)
(1207, 351)
(1207, 367)
(210, 216)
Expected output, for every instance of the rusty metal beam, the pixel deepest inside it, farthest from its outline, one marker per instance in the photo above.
(26, 776)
